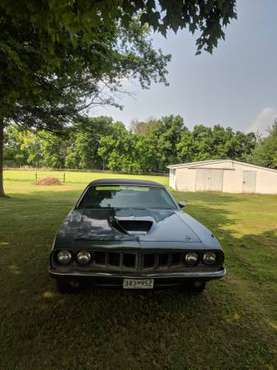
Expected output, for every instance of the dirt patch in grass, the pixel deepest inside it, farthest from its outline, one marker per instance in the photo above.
(49, 181)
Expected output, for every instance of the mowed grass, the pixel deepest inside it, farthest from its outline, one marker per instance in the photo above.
(232, 325)
(73, 177)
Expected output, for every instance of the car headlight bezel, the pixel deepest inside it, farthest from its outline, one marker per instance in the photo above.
(83, 257)
(209, 258)
(64, 257)
(191, 258)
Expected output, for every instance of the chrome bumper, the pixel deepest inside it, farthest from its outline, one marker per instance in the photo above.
(206, 275)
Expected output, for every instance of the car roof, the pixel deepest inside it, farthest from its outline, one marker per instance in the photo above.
(133, 182)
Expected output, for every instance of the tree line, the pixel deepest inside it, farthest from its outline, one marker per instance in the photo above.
(144, 147)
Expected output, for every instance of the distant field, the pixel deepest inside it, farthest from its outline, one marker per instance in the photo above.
(233, 325)
(73, 176)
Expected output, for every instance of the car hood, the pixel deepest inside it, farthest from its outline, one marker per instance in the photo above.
(105, 224)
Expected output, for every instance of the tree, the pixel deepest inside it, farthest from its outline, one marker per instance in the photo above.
(48, 85)
(85, 140)
(265, 153)
(52, 148)
(31, 145)
(149, 146)
(160, 137)
(144, 127)
(185, 147)
(215, 142)
(117, 149)
(147, 155)
(196, 146)
(169, 133)
(13, 153)
(57, 57)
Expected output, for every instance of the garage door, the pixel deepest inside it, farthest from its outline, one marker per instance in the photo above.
(209, 180)
(249, 182)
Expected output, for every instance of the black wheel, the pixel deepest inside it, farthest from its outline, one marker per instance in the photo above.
(195, 287)
(67, 286)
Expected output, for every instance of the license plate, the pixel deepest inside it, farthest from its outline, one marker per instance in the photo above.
(138, 283)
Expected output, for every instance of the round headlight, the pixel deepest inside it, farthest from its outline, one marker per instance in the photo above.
(209, 258)
(83, 257)
(64, 257)
(191, 258)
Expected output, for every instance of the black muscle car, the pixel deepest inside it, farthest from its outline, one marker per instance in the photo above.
(133, 234)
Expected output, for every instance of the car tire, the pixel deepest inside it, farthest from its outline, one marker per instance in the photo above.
(195, 287)
(67, 286)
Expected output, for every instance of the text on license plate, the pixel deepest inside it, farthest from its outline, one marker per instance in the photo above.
(138, 283)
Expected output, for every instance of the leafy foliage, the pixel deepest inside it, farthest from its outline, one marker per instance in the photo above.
(101, 143)
(48, 91)
(265, 153)
(56, 54)
(58, 57)
(84, 141)
(204, 143)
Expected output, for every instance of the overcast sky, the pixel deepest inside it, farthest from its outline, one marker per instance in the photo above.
(236, 86)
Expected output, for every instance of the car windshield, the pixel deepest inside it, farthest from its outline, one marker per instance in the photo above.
(125, 196)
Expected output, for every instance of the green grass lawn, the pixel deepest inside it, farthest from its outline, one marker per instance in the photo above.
(233, 324)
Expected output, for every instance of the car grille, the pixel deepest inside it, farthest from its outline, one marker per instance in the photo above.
(138, 261)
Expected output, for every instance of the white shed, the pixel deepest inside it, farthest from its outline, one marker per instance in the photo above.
(223, 175)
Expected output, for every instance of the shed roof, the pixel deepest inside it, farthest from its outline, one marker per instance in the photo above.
(216, 161)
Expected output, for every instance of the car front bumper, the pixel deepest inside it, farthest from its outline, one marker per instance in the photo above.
(160, 279)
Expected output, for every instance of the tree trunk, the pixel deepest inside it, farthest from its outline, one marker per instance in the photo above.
(2, 193)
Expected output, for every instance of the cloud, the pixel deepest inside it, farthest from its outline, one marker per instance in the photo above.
(263, 121)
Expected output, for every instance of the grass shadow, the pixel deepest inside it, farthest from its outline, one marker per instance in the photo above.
(231, 323)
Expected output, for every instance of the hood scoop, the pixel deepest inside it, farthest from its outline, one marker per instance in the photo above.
(133, 225)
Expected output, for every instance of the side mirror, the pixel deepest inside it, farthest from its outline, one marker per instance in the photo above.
(182, 204)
